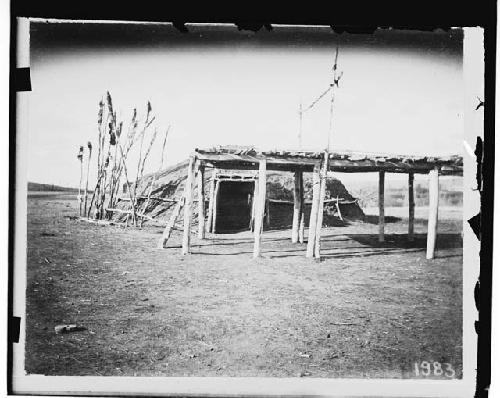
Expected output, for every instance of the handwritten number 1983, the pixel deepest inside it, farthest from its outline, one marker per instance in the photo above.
(438, 369)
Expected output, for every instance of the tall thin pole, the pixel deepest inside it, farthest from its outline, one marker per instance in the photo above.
(325, 168)
(411, 207)
(330, 123)
(215, 206)
(335, 82)
(186, 237)
(381, 206)
(313, 216)
(260, 206)
(211, 195)
(201, 201)
(432, 223)
(297, 205)
(321, 204)
(302, 216)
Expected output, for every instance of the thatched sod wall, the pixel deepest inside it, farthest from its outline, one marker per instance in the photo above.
(235, 199)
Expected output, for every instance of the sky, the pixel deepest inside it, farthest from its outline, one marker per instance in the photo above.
(401, 92)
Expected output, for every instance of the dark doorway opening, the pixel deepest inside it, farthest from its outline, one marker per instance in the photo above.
(234, 206)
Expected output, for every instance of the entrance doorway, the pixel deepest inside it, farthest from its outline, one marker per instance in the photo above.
(234, 206)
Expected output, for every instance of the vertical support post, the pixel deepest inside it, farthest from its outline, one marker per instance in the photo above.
(186, 238)
(254, 204)
(314, 212)
(381, 210)
(211, 202)
(321, 205)
(297, 206)
(433, 212)
(267, 213)
(259, 208)
(254, 200)
(201, 201)
(411, 207)
(216, 203)
(302, 209)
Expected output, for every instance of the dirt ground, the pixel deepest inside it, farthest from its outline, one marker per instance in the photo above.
(366, 310)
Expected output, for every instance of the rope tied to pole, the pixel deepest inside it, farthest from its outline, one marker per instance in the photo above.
(336, 80)
(317, 100)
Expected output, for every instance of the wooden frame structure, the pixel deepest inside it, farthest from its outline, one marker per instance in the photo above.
(224, 159)
(217, 177)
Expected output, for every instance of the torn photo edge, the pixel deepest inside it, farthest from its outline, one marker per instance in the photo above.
(476, 295)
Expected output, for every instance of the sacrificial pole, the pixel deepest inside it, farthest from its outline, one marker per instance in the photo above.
(326, 159)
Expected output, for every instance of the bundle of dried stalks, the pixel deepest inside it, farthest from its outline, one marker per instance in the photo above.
(113, 149)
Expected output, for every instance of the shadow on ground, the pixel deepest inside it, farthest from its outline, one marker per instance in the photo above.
(332, 246)
(444, 241)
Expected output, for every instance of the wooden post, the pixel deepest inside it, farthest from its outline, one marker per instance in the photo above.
(259, 207)
(321, 205)
(254, 201)
(296, 206)
(186, 238)
(411, 207)
(311, 240)
(201, 201)
(216, 202)
(337, 206)
(433, 212)
(211, 203)
(267, 214)
(302, 209)
(171, 223)
(301, 225)
(381, 215)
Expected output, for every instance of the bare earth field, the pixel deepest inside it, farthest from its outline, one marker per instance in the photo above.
(366, 310)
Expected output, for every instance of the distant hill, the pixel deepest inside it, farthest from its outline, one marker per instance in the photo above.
(35, 186)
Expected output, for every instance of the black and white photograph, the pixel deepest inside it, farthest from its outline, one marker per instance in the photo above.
(291, 203)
